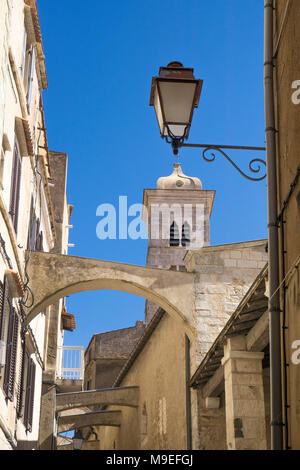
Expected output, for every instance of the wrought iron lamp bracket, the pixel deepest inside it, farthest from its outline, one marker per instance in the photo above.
(208, 154)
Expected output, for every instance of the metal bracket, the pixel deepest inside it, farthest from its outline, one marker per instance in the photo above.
(254, 165)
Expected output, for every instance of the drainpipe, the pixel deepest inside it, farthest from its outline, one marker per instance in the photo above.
(188, 393)
(273, 246)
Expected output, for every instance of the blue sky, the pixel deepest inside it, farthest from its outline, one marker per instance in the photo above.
(100, 59)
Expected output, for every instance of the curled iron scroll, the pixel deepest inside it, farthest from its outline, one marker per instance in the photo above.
(254, 164)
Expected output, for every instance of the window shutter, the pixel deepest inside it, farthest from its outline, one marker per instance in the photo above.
(11, 354)
(37, 234)
(30, 78)
(32, 229)
(39, 242)
(29, 401)
(20, 398)
(15, 186)
(3, 307)
(24, 53)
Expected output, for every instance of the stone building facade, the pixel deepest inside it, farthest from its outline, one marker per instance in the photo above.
(170, 351)
(177, 213)
(287, 121)
(107, 354)
(28, 222)
(233, 379)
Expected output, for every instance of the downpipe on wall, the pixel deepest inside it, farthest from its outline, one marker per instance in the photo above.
(273, 244)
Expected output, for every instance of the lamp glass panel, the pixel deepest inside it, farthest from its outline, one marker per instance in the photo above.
(177, 101)
(158, 111)
(176, 129)
(77, 443)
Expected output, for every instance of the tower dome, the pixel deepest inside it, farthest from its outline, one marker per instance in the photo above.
(178, 180)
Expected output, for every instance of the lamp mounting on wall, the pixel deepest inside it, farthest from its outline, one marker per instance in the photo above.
(175, 93)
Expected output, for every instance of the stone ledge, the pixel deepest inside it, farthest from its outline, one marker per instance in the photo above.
(242, 355)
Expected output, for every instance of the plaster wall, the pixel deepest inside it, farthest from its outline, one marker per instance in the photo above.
(160, 421)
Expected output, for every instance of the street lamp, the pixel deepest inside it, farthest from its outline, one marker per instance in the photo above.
(77, 440)
(175, 93)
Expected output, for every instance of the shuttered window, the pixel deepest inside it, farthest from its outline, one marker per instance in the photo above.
(3, 307)
(3, 295)
(32, 229)
(21, 390)
(39, 242)
(15, 186)
(30, 78)
(11, 354)
(23, 60)
(29, 399)
(35, 236)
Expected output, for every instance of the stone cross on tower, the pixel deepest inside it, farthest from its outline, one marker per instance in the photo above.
(177, 214)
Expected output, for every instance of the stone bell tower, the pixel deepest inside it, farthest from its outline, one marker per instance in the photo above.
(177, 214)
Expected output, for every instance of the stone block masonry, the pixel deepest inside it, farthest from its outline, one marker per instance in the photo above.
(224, 274)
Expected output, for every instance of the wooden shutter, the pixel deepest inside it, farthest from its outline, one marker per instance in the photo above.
(3, 307)
(39, 242)
(20, 399)
(29, 400)
(15, 186)
(30, 78)
(32, 229)
(11, 354)
(24, 52)
(36, 245)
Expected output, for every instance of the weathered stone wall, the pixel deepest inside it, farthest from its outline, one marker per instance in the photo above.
(212, 425)
(164, 258)
(193, 206)
(223, 276)
(107, 354)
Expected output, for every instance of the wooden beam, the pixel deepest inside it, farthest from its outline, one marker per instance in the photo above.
(215, 385)
(258, 337)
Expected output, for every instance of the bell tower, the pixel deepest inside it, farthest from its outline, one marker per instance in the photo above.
(177, 214)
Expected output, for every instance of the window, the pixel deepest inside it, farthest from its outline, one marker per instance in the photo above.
(9, 331)
(174, 235)
(25, 399)
(20, 398)
(35, 235)
(15, 186)
(3, 308)
(28, 67)
(29, 396)
(186, 237)
(11, 354)
(5, 147)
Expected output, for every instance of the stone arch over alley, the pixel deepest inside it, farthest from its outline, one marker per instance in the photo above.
(53, 276)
